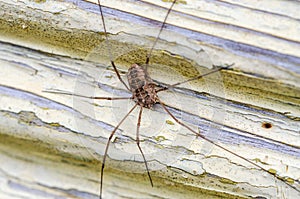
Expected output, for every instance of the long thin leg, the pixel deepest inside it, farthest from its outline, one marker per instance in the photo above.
(107, 145)
(217, 145)
(161, 28)
(89, 97)
(107, 44)
(138, 143)
(194, 78)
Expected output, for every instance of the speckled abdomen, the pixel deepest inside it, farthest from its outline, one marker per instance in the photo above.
(142, 86)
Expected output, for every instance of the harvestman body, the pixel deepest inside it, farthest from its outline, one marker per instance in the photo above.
(144, 94)
(141, 86)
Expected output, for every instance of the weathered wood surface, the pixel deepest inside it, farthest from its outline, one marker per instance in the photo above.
(51, 145)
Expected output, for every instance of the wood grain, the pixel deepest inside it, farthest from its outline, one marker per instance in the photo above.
(52, 145)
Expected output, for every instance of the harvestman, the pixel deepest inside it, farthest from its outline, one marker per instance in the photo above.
(144, 94)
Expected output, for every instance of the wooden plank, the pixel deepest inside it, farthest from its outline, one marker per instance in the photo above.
(234, 108)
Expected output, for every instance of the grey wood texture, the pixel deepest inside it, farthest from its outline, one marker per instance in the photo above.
(52, 145)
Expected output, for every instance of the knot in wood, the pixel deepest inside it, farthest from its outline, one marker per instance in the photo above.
(141, 86)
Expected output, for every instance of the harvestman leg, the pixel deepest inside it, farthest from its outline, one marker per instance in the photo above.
(221, 147)
(194, 78)
(106, 41)
(89, 97)
(160, 30)
(138, 143)
(107, 145)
